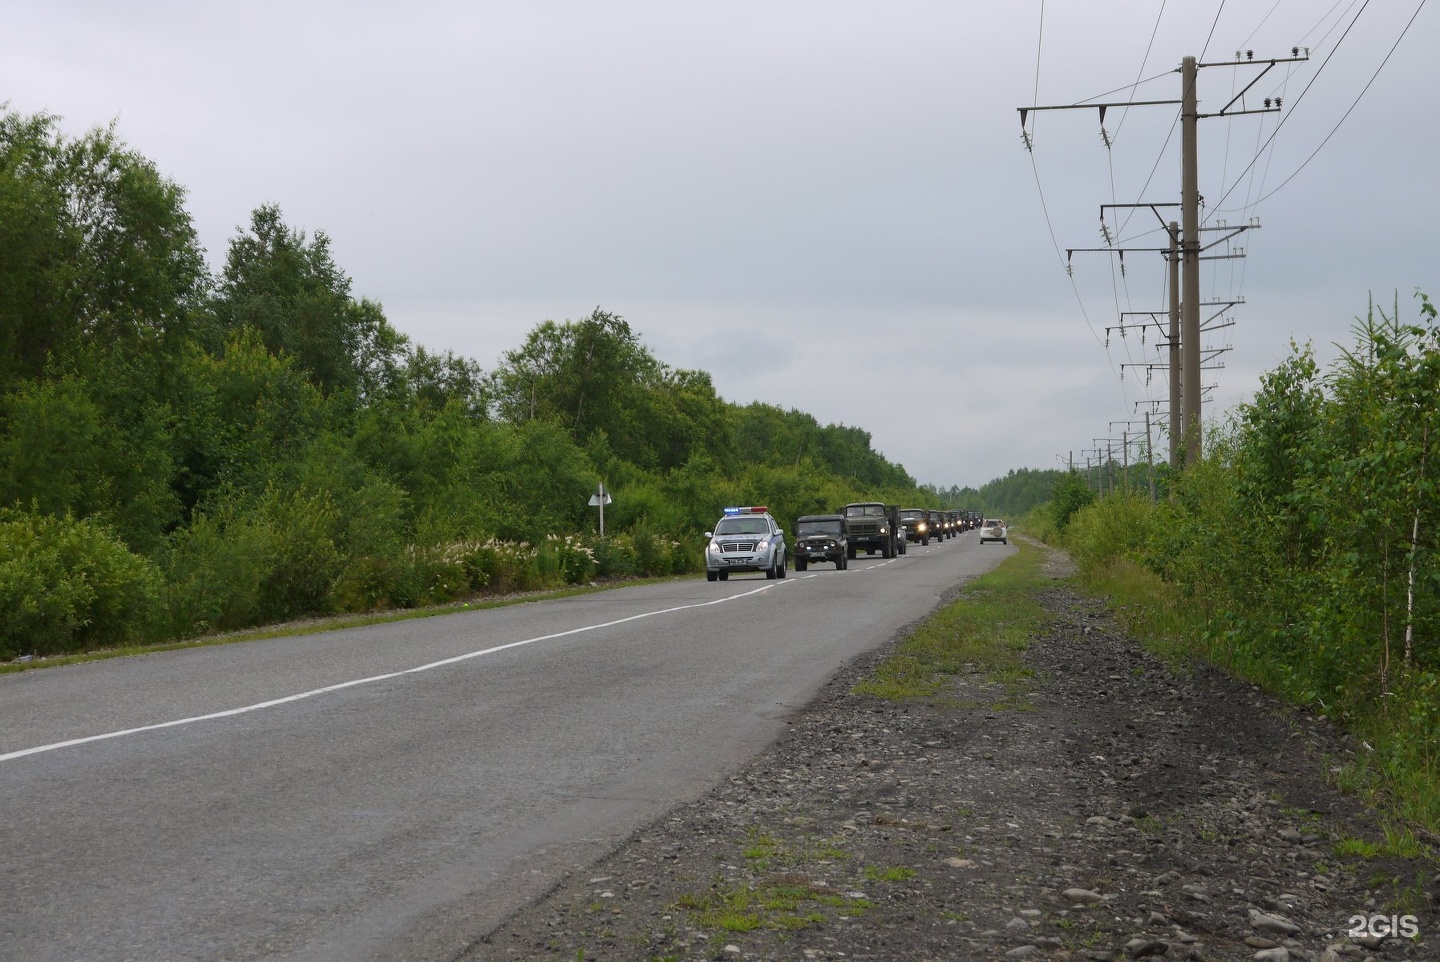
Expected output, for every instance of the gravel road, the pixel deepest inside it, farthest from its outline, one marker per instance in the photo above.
(1122, 811)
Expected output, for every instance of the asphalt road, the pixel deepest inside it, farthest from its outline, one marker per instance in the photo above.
(391, 792)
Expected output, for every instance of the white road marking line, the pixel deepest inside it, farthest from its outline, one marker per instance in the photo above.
(366, 681)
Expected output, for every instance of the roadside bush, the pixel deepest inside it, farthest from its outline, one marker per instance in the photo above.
(657, 554)
(1116, 526)
(1071, 493)
(568, 560)
(68, 584)
(615, 557)
(500, 566)
(1039, 523)
(215, 569)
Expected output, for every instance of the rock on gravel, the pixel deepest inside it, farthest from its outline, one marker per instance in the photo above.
(1128, 812)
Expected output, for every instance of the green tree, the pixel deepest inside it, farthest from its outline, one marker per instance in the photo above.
(1069, 495)
(96, 248)
(292, 292)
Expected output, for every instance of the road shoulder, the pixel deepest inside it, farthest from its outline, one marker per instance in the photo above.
(1122, 811)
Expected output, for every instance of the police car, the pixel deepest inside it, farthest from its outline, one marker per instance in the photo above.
(745, 539)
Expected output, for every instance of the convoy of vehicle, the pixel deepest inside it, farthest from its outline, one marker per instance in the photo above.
(750, 539)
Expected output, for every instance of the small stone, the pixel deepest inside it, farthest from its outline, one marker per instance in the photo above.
(959, 863)
(1272, 924)
(1022, 952)
(732, 950)
(1277, 954)
(1082, 895)
(1018, 925)
(1259, 942)
(1144, 948)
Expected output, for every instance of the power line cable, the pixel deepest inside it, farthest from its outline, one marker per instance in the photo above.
(1301, 97)
(1213, 24)
(1040, 190)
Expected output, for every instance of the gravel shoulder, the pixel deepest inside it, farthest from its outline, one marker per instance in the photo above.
(1115, 810)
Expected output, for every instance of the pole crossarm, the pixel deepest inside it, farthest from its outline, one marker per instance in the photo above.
(1270, 65)
(1234, 232)
(1025, 111)
(1154, 209)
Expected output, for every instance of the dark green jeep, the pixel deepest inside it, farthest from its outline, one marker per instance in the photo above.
(820, 537)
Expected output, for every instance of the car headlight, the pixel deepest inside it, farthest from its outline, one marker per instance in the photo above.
(714, 547)
(762, 544)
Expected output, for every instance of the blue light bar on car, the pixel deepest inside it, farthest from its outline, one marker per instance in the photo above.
(757, 509)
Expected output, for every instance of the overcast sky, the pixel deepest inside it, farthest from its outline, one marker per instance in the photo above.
(827, 205)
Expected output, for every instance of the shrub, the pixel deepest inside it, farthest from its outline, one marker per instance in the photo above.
(1071, 493)
(1111, 528)
(68, 584)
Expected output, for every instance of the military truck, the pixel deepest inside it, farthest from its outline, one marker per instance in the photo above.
(917, 525)
(937, 525)
(870, 528)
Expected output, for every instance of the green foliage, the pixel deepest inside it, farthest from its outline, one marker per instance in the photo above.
(1304, 544)
(294, 295)
(1121, 525)
(95, 247)
(1069, 495)
(275, 449)
(1020, 491)
(67, 585)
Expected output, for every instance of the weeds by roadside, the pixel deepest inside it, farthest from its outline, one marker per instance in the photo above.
(984, 631)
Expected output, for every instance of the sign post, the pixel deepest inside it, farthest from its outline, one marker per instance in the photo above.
(599, 499)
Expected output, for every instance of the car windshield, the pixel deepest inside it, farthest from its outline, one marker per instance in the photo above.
(865, 511)
(742, 526)
(803, 528)
(912, 515)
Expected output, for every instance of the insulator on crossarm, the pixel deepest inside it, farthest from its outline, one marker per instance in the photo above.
(1027, 141)
(1105, 136)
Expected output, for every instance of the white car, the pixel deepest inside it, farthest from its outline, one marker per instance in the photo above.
(993, 529)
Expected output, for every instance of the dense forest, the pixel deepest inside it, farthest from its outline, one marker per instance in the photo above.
(182, 452)
(1019, 492)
